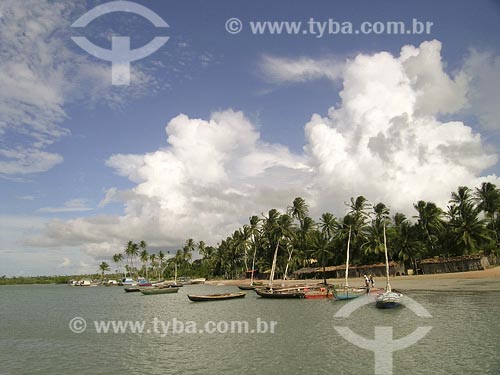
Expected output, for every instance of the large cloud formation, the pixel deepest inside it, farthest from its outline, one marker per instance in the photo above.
(385, 141)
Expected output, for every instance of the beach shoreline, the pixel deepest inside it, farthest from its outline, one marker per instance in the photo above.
(485, 280)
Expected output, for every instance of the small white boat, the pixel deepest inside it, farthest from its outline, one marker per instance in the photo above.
(389, 299)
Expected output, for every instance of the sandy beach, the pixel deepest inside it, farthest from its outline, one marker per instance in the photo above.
(486, 280)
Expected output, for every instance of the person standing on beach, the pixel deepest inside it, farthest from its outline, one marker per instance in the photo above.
(372, 282)
(367, 281)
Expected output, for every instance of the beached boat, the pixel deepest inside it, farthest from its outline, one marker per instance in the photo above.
(390, 298)
(215, 297)
(282, 293)
(154, 290)
(143, 282)
(347, 292)
(318, 292)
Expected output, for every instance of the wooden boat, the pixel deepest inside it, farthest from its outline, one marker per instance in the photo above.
(346, 292)
(153, 290)
(318, 292)
(250, 286)
(390, 298)
(280, 293)
(132, 289)
(246, 287)
(215, 297)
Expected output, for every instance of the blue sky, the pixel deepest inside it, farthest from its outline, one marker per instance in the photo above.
(77, 152)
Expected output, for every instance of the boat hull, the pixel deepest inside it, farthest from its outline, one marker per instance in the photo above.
(278, 294)
(215, 297)
(345, 294)
(318, 293)
(131, 289)
(388, 300)
(246, 287)
(154, 291)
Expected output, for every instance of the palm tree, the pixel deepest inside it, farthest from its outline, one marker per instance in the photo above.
(187, 250)
(103, 267)
(429, 223)
(117, 258)
(321, 249)
(375, 239)
(487, 198)
(359, 206)
(357, 221)
(470, 231)
(144, 257)
(461, 196)
(329, 225)
(128, 252)
(405, 239)
(154, 265)
(298, 210)
(381, 211)
(254, 232)
(161, 257)
(278, 229)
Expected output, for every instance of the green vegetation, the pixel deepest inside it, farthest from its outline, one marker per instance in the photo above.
(469, 225)
(4, 280)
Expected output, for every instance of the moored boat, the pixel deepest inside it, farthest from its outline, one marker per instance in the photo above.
(390, 298)
(246, 287)
(215, 297)
(153, 290)
(346, 292)
(250, 286)
(318, 292)
(280, 293)
(132, 289)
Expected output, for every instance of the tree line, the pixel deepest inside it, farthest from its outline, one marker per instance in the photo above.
(469, 224)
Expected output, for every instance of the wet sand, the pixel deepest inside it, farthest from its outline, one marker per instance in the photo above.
(487, 280)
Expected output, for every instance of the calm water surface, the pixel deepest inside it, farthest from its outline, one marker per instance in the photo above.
(35, 337)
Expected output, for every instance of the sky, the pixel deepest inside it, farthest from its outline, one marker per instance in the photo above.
(219, 123)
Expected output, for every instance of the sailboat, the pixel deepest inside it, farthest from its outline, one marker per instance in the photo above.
(291, 292)
(346, 292)
(389, 299)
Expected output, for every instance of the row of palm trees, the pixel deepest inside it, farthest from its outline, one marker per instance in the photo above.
(469, 224)
(139, 262)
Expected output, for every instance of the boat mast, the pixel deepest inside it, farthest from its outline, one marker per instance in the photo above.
(253, 260)
(347, 260)
(273, 268)
(387, 283)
